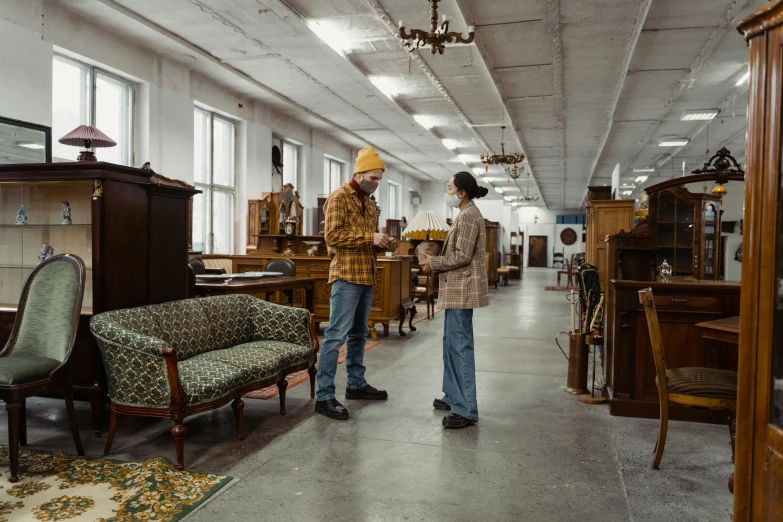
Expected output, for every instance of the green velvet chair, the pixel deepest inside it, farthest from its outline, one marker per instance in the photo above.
(36, 358)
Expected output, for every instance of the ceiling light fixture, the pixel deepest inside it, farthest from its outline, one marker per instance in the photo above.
(627, 192)
(386, 85)
(707, 114)
(644, 169)
(721, 165)
(673, 142)
(333, 36)
(508, 198)
(499, 190)
(641, 179)
(507, 161)
(467, 159)
(450, 144)
(479, 172)
(31, 145)
(527, 196)
(437, 37)
(743, 79)
(427, 122)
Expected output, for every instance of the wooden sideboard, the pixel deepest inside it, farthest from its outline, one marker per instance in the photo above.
(605, 217)
(629, 369)
(392, 287)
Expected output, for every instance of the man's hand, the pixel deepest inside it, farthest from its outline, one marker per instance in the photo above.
(380, 240)
(425, 265)
(393, 244)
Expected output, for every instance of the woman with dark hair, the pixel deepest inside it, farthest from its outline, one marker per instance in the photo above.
(462, 270)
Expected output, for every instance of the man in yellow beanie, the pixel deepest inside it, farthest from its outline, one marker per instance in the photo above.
(351, 234)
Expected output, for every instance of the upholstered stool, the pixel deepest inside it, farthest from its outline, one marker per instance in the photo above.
(503, 274)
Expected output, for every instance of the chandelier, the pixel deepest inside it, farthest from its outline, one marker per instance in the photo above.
(506, 160)
(527, 196)
(437, 37)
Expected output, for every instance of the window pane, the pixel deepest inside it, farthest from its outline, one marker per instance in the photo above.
(113, 117)
(290, 159)
(327, 176)
(392, 201)
(223, 222)
(224, 152)
(201, 162)
(200, 212)
(336, 175)
(70, 107)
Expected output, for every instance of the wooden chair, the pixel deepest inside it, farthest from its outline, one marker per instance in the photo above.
(568, 271)
(558, 257)
(424, 289)
(288, 269)
(694, 387)
(37, 357)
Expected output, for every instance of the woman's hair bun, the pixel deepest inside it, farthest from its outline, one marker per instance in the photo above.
(465, 181)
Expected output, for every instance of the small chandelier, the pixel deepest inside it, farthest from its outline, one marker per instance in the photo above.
(513, 172)
(437, 37)
(721, 166)
(503, 158)
(527, 196)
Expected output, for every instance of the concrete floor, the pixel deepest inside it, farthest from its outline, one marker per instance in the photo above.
(537, 454)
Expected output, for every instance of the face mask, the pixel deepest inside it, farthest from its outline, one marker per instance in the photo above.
(452, 200)
(368, 187)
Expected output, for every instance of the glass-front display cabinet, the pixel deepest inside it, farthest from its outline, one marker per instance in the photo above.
(129, 226)
(38, 220)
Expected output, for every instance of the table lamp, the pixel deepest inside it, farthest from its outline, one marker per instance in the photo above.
(426, 226)
(88, 137)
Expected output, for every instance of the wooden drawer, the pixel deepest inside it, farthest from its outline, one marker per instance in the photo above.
(688, 303)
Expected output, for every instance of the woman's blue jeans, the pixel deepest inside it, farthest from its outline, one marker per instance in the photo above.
(459, 366)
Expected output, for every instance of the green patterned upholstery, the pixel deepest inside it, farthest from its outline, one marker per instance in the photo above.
(221, 343)
(47, 324)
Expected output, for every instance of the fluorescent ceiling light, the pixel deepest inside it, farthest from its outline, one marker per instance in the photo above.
(508, 198)
(515, 204)
(31, 145)
(641, 179)
(743, 79)
(673, 142)
(627, 192)
(450, 144)
(499, 190)
(425, 121)
(644, 169)
(469, 158)
(479, 171)
(386, 85)
(332, 35)
(707, 114)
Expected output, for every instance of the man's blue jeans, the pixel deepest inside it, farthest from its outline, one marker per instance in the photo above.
(459, 366)
(349, 310)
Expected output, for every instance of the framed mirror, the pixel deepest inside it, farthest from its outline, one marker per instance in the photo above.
(23, 142)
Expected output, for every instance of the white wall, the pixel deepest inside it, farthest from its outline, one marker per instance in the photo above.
(164, 100)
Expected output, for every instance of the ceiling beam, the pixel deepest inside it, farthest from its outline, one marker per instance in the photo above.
(641, 17)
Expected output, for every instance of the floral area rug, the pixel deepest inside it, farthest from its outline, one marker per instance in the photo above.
(54, 486)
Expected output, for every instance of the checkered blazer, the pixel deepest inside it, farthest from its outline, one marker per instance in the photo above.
(462, 267)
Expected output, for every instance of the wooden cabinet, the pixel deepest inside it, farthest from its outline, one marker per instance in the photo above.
(686, 228)
(493, 251)
(129, 226)
(629, 369)
(759, 452)
(267, 216)
(605, 217)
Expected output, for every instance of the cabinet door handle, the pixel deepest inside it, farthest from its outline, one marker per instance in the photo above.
(676, 300)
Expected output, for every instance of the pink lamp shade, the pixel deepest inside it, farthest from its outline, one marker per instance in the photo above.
(88, 137)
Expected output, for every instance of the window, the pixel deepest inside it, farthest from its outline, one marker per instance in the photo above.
(86, 95)
(290, 163)
(214, 163)
(394, 196)
(333, 175)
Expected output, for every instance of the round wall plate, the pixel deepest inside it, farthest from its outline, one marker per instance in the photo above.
(568, 236)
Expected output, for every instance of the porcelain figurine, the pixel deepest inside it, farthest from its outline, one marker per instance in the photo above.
(666, 270)
(21, 216)
(46, 252)
(67, 213)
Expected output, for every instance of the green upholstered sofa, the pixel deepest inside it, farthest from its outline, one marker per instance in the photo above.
(185, 357)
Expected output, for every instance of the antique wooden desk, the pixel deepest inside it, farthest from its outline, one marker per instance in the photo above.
(261, 288)
(629, 369)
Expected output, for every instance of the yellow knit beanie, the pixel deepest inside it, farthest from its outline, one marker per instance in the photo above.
(368, 160)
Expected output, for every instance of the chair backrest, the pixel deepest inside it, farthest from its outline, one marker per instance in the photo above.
(646, 299)
(589, 281)
(286, 266)
(197, 265)
(49, 309)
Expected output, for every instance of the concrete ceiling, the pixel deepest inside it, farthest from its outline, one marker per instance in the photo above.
(582, 85)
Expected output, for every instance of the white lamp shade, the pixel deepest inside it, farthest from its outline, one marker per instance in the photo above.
(425, 223)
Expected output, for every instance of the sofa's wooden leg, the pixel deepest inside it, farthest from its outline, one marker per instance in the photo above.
(282, 386)
(110, 436)
(238, 405)
(178, 432)
(312, 371)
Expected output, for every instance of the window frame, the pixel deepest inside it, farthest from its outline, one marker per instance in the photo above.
(329, 161)
(89, 99)
(208, 186)
(394, 203)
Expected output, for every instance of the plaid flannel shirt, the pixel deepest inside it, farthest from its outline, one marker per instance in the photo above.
(348, 233)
